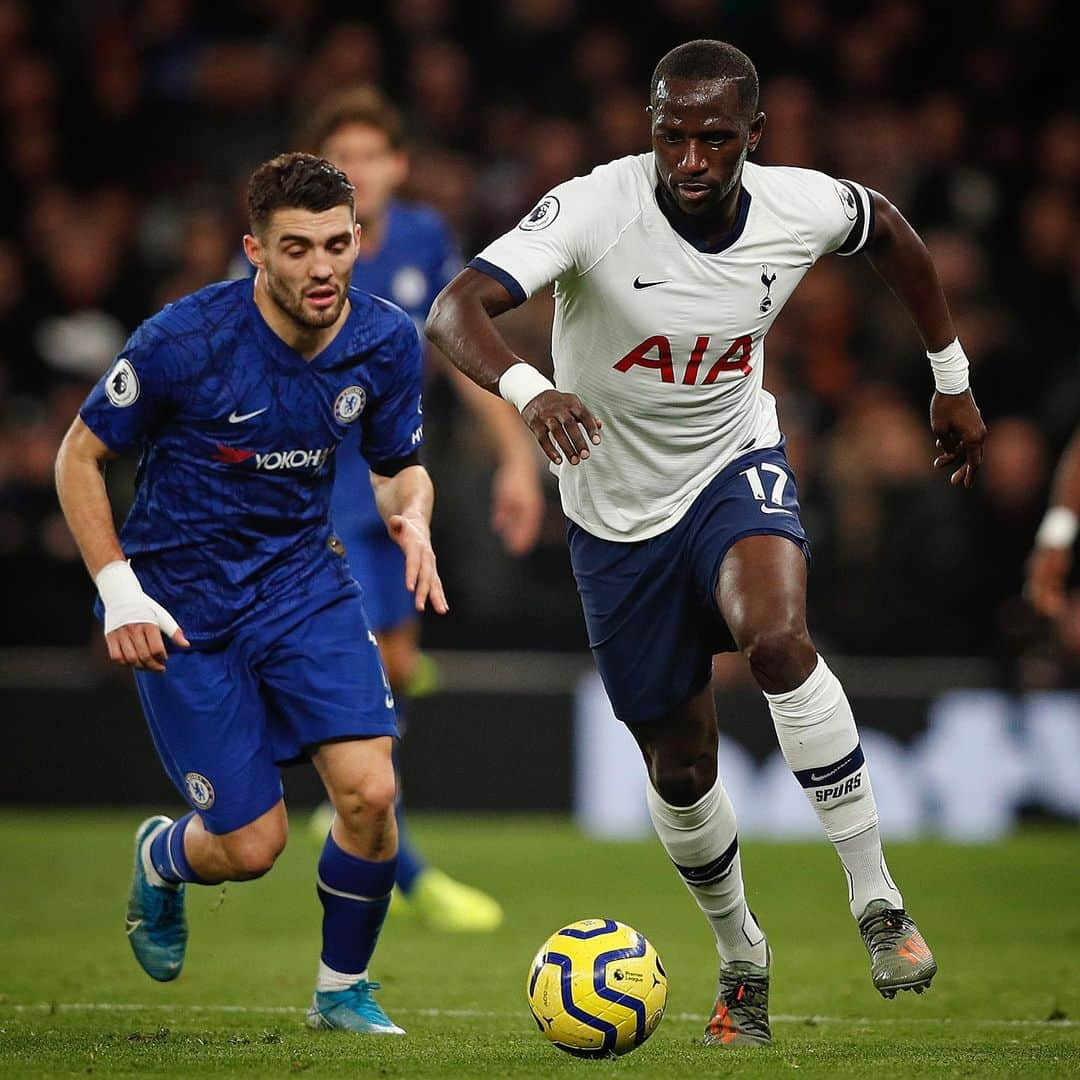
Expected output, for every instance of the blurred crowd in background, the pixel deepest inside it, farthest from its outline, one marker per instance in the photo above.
(129, 128)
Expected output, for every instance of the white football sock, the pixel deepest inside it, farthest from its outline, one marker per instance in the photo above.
(820, 743)
(702, 842)
(867, 875)
(329, 979)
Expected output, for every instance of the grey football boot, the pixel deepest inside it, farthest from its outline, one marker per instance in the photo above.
(899, 957)
(741, 1013)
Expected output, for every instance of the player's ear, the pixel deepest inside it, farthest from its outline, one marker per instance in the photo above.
(401, 167)
(757, 126)
(253, 250)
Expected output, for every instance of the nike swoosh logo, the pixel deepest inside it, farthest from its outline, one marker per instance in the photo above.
(236, 418)
(775, 510)
(825, 776)
(639, 284)
(133, 925)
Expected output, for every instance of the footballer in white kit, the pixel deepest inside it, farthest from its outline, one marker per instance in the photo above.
(670, 338)
(683, 518)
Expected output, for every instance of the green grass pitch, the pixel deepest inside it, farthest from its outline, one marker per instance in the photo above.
(1003, 920)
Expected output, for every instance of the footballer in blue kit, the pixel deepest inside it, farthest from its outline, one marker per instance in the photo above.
(407, 253)
(238, 400)
(416, 258)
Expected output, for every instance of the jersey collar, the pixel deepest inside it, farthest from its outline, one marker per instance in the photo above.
(324, 358)
(726, 240)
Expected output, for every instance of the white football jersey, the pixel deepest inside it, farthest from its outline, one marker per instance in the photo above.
(662, 341)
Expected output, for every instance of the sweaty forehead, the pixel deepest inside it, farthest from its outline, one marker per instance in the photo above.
(697, 98)
(314, 225)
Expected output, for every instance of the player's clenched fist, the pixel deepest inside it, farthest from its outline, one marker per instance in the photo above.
(562, 425)
(134, 622)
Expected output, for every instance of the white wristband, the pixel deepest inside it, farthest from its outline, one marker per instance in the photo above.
(1058, 528)
(521, 382)
(122, 596)
(950, 367)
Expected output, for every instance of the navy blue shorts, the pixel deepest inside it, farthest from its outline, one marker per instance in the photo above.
(650, 605)
(224, 719)
(378, 564)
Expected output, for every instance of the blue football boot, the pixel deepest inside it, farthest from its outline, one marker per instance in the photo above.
(156, 926)
(354, 1009)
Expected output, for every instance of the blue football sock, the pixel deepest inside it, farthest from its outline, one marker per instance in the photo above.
(410, 862)
(355, 894)
(168, 856)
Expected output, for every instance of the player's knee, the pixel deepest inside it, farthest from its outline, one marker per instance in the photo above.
(681, 778)
(252, 855)
(400, 663)
(369, 798)
(781, 658)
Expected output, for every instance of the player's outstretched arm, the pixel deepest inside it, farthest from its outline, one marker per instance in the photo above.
(461, 324)
(405, 501)
(1051, 559)
(900, 257)
(133, 621)
(517, 494)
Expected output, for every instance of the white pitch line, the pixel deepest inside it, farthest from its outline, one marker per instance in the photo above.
(483, 1014)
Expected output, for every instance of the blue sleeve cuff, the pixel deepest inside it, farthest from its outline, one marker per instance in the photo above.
(90, 418)
(507, 281)
(393, 466)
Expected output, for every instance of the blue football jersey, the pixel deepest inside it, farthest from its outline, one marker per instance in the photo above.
(238, 436)
(416, 260)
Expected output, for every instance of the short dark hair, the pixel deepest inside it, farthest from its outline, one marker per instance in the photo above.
(354, 105)
(302, 181)
(710, 59)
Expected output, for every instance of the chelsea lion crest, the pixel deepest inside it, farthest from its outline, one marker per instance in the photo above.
(349, 404)
(200, 790)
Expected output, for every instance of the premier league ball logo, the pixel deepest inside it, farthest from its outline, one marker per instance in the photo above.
(542, 215)
(122, 384)
(349, 404)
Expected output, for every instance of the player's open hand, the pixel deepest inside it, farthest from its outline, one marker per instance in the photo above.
(1047, 573)
(960, 432)
(517, 505)
(563, 426)
(421, 575)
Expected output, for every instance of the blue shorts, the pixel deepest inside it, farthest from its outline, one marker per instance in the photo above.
(650, 605)
(378, 564)
(224, 719)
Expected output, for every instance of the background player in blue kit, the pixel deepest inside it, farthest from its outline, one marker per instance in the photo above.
(237, 398)
(408, 254)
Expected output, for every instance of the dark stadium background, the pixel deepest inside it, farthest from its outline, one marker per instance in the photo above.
(128, 130)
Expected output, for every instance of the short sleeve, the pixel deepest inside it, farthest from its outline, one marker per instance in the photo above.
(555, 238)
(839, 214)
(859, 216)
(134, 395)
(394, 423)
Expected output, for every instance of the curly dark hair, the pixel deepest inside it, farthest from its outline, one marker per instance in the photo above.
(295, 180)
